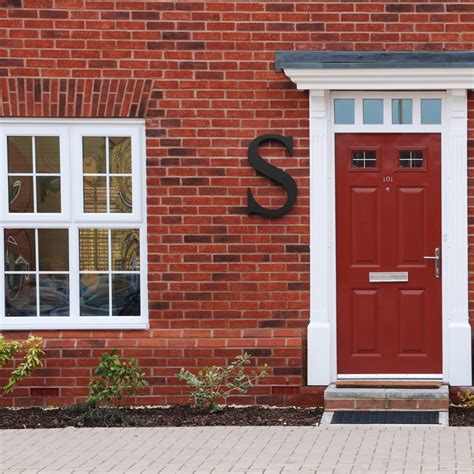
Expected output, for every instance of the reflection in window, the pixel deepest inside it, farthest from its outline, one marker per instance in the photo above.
(431, 111)
(344, 111)
(410, 159)
(36, 272)
(402, 111)
(34, 180)
(110, 272)
(107, 169)
(364, 159)
(373, 111)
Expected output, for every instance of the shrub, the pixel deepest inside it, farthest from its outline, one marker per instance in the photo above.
(116, 378)
(467, 399)
(212, 384)
(32, 348)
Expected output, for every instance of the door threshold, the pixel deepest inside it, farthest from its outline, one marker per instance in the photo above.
(390, 383)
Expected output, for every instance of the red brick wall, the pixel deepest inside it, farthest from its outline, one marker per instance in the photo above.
(202, 75)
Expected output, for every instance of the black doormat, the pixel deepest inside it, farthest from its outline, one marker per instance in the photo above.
(362, 417)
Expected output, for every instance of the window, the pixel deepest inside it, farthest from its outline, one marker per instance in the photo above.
(344, 111)
(364, 159)
(410, 159)
(72, 228)
(402, 111)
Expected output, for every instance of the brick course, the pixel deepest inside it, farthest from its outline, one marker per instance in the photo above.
(202, 75)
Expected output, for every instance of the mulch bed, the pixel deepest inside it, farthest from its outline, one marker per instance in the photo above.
(179, 415)
(461, 416)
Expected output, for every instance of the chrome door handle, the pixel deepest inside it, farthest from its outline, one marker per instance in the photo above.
(437, 259)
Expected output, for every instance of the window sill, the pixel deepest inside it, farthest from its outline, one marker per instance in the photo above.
(55, 326)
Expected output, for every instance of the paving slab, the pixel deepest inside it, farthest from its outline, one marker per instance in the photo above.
(268, 450)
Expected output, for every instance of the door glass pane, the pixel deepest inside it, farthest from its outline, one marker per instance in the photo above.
(48, 193)
(20, 294)
(126, 294)
(410, 159)
(95, 194)
(373, 111)
(47, 154)
(19, 250)
(125, 249)
(402, 111)
(53, 249)
(93, 155)
(120, 155)
(121, 194)
(54, 295)
(94, 294)
(20, 194)
(431, 111)
(20, 155)
(344, 113)
(93, 249)
(364, 159)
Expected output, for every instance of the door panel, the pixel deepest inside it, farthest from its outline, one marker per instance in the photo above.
(388, 217)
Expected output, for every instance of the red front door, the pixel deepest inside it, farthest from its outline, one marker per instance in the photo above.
(388, 218)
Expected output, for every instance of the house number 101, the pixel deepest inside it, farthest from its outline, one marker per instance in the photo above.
(387, 179)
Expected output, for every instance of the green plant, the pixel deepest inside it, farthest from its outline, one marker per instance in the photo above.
(32, 348)
(116, 378)
(467, 398)
(212, 384)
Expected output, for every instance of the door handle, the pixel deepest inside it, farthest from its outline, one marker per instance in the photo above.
(437, 258)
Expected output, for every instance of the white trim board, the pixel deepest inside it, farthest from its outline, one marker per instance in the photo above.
(453, 85)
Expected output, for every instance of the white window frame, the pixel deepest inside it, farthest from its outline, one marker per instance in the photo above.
(72, 216)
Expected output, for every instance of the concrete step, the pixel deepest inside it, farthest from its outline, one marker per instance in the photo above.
(355, 398)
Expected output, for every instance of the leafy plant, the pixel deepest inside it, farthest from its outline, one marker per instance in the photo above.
(31, 360)
(116, 378)
(215, 383)
(467, 398)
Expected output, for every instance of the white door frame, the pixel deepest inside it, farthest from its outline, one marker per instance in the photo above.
(322, 341)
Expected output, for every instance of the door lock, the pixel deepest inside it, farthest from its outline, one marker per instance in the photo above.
(437, 259)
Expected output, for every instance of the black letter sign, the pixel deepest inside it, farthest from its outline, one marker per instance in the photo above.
(272, 172)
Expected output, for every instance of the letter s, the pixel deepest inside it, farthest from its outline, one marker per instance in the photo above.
(272, 172)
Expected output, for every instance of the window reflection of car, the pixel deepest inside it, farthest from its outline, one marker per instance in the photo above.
(125, 297)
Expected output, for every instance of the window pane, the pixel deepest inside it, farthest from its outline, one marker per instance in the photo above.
(54, 295)
(47, 154)
(344, 111)
(364, 159)
(402, 110)
(19, 250)
(93, 155)
(373, 111)
(125, 249)
(120, 155)
(410, 159)
(121, 194)
(95, 194)
(126, 294)
(93, 249)
(53, 249)
(430, 111)
(94, 291)
(20, 294)
(20, 156)
(48, 193)
(20, 194)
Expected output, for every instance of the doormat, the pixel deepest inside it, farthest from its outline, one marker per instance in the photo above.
(363, 417)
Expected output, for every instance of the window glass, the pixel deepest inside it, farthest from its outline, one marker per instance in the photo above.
(344, 113)
(109, 289)
(364, 159)
(36, 272)
(402, 111)
(410, 159)
(107, 168)
(373, 111)
(38, 188)
(431, 111)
